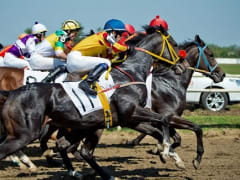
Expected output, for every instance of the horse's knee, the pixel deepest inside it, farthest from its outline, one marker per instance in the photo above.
(85, 152)
(62, 143)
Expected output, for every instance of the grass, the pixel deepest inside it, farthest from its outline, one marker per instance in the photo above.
(231, 68)
(213, 122)
(206, 122)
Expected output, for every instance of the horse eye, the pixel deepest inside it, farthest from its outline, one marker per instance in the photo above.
(211, 55)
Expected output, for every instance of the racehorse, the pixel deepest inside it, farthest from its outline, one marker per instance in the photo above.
(169, 98)
(169, 93)
(25, 108)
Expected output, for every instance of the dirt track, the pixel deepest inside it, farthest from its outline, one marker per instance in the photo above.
(220, 161)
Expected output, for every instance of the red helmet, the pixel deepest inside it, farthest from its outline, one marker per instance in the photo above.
(130, 29)
(158, 21)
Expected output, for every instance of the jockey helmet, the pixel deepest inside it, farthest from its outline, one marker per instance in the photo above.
(70, 25)
(130, 29)
(114, 25)
(38, 28)
(159, 21)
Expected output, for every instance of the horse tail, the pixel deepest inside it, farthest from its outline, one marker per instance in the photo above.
(4, 93)
(3, 96)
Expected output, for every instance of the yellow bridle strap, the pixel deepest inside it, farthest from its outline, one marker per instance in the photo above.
(172, 52)
(106, 107)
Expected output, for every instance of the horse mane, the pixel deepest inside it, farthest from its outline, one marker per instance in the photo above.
(187, 44)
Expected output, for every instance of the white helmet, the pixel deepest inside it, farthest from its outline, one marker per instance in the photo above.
(38, 28)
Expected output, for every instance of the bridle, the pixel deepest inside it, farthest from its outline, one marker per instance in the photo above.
(202, 55)
(172, 52)
(165, 43)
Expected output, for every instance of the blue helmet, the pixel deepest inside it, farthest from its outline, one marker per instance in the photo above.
(114, 24)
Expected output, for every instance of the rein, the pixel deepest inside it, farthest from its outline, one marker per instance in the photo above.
(117, 86)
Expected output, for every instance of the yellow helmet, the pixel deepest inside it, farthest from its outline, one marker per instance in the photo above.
(22, 35)
(70, 25)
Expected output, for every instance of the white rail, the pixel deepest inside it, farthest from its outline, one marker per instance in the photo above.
(214, 90)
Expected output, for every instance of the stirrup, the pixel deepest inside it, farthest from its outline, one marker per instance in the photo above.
(86, 88)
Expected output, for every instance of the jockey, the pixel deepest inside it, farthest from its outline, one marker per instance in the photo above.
(17, 55)
(92, 54)
(50, 52)
(157, 21)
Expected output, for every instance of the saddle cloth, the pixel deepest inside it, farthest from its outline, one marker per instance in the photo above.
(37, 76)
(86, 103)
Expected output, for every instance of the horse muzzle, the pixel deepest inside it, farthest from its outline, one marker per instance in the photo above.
(217, 76)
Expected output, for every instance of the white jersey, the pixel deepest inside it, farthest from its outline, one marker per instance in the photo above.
(45, 49)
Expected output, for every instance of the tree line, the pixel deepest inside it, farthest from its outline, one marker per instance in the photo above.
(232, 51)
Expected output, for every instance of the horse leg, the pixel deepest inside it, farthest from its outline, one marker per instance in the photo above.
(87, 150)
(25, 159)
(144, 115)
(151, 130)
(13, 144)
(180, 123)
(45, 135)
(17, 161)
(62, 145)
(137, 140)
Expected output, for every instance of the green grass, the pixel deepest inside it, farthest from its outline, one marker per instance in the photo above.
(216, 121)
(205, 122)
(231, 68)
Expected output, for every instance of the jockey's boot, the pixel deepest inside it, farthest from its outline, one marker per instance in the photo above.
(55, 72)
(93, 75)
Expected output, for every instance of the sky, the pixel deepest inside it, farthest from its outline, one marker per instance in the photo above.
(216, 21)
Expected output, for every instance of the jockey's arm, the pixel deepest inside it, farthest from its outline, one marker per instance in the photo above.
(61, 55)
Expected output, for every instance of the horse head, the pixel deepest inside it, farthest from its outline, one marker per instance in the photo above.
(205, 60)
(163, 49)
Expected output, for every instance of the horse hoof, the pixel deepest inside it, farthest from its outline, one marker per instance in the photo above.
(196, 164)
(33, 169)
(23, 166)
(76, 175)
(180, 165)
(163, 157)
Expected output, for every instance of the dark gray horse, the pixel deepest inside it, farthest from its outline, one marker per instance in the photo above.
(169, 99)
(25, 108)
(169, 92)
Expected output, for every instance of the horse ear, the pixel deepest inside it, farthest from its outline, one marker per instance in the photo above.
(197, 38)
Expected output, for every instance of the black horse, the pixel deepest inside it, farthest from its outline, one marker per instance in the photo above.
(25, 108)
(169, 93)
(169, 100)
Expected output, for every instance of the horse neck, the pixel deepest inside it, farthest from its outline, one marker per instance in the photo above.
(139, 63)
(192, 60)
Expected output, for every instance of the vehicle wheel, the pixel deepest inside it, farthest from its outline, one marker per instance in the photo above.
(214, 101)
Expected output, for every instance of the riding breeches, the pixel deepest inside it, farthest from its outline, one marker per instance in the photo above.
(11, 60)
(78, 63)
(39, 62)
